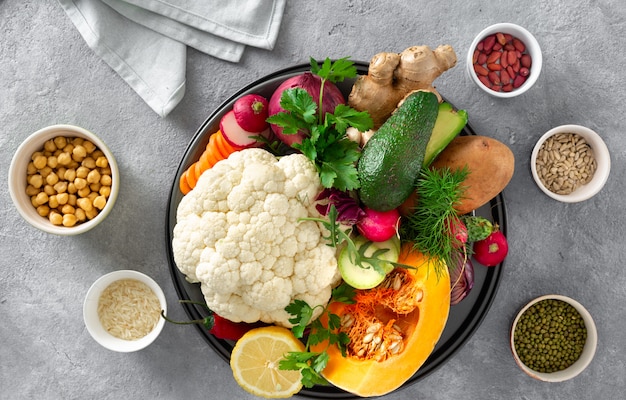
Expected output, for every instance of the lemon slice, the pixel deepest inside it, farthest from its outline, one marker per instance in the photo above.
(255, 358)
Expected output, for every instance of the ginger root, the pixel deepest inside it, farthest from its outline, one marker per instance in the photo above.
(392, 76)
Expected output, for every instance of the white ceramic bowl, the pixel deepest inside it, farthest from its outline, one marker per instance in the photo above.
(17, 178)
(532, 48)
(601, 154)
(92, 320)
(585, 358)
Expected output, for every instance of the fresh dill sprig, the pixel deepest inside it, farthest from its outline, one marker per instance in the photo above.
(438, 192)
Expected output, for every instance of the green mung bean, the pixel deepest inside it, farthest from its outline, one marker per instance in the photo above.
(550, 336)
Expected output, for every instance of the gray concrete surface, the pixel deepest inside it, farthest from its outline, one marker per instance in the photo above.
(48, 75)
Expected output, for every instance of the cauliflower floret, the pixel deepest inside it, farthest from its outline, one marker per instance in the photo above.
(239, 233)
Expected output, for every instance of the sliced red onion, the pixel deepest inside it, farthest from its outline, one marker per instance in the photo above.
(461, 279)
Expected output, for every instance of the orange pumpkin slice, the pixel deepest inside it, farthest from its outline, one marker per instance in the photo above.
(393, 328)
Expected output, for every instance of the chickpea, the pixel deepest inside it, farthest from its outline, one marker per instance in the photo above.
(45, 171)
(53, 161)
(80, 215)
(50, 146)
(60, 187)
(91, 214)
(43, 210)
(102, 162)
(68, 181)
(52, 179)
(89, 146)
(31, 169)
(89, 163)
(80, 183)
(99, 202)
(35, 181)
(82, 172)
(60, 142)
(55, 218)
(40, 161)
(69, 220)
(69, 148)
(64, 158)
(84, 192)
(31, 190)
(93, 176)
(95, 187)
(60, 171)
(79, 153)
(85, 204)
(106, 180)
(67, 209)
(41, 198)
(63, 198)
(70, 174)
(49, 190)
(53, 201)
(105, 191)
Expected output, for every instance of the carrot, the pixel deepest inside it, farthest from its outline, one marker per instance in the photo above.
(217, 149)
(183, 184)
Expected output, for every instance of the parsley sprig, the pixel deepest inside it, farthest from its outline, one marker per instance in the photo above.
(326, 143)
(310, 363)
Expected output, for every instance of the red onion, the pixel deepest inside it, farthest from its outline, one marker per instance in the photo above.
(461, 278)
(348, 210)
(331, 97)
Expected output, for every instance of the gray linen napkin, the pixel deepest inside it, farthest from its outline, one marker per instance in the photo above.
(145, 41)
(205, 42)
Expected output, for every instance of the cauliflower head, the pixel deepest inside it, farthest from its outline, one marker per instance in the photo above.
(239, 234)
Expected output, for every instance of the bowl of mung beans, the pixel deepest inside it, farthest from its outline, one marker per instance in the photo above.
(570, 163)
(553, 338)
(63, 179)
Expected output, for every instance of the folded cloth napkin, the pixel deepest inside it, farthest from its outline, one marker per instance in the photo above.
(145, 41)
(200, 40)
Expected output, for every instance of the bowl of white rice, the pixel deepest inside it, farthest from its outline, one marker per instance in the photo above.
(122, 310)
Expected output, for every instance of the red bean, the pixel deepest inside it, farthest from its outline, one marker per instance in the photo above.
(501, 62)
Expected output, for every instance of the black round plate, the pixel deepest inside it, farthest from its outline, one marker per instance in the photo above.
(464, 318)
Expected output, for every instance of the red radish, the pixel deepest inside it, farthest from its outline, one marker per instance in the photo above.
(457, 231)
(251, 112)
(378, 226)
(331, 97)
(235, 135)
(492, 250)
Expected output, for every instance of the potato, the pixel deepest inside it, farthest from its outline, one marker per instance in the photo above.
(490, 163)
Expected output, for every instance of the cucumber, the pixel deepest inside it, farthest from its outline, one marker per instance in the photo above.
(392, 159)
(449, 124)
(366, 277)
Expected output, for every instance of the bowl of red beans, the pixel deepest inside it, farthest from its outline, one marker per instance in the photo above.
(504, 60)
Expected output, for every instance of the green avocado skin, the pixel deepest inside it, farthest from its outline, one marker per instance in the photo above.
(391, 160)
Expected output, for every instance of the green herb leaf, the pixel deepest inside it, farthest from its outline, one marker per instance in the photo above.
(334, 71)
(302, 313)
(344, 293)
(345, 116)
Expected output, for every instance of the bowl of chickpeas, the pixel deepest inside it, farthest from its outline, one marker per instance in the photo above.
(64, 180)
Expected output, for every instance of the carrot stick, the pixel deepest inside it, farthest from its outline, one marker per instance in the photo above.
(183, 185)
